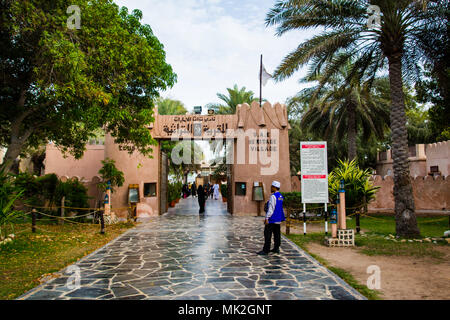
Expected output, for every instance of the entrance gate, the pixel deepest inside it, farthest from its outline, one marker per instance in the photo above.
(259, 141)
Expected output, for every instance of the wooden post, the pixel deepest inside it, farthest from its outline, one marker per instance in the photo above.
(61, 221)
(342, 216)
(334, 222)
(108, 204)
(288, 222)
(358, 228)
(259, 208)
(33, 220)
(102, 223)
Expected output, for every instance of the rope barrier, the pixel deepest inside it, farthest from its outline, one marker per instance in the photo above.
(73, 208)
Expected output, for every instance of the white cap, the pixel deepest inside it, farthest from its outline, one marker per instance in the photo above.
(276, 184)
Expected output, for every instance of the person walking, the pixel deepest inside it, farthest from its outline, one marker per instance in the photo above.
(201, 198)
(194, 190)
(272, 222)
(216, 191)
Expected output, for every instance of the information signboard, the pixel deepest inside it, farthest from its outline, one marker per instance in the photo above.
(314, 172)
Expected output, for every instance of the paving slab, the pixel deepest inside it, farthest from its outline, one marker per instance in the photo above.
(184, 255)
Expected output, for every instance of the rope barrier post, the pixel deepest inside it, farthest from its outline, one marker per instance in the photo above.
(342, 223)
(358, 228)
(33, 221)
(288, 222)
(333, 221)
(61, 221)
(304, 219)
(326, 219)
(102, 222)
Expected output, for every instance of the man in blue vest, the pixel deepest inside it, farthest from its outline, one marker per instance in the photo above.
(274, 217)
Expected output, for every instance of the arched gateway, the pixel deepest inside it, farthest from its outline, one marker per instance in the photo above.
(257, 145)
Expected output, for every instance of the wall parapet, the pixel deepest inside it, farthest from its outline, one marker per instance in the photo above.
(430, 193)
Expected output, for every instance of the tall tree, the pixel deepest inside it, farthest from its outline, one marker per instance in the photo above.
(169, 106)
(349, 30)
(232, 99)
(61, 84)
(340, 108)
(435, 88)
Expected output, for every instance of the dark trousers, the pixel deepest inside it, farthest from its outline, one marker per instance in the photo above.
(268, 230)
(202, 206)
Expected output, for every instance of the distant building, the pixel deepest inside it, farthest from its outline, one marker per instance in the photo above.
(424, 159)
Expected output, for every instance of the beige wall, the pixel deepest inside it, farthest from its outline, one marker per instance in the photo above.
(137, 169)
(296, 184)
(438, 154)
(267, 118)
(430, 194)
(435, 154)
(85, 168)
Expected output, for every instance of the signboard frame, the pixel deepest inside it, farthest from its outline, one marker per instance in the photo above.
(314, 170)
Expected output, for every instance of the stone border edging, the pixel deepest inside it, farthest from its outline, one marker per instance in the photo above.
(346, 286)
(62, 271)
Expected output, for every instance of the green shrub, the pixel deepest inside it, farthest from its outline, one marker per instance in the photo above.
(173, 191)
(48, 190)
(292, 199)
(110, 173)
(9, 194)
(358, 188)
(75, 194)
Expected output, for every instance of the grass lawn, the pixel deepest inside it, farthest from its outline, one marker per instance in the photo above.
(50, 249)
(374, 241)
(376, 229)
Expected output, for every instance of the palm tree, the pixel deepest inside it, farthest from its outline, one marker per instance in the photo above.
(168, 106)
(340, 108)
(235, 97)
(346, 35)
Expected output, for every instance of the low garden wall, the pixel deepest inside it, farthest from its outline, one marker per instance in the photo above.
(431, 195)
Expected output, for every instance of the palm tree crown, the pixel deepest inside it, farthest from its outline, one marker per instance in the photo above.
(340, 109)
(347, 35)
(170, 107)
(235, 97)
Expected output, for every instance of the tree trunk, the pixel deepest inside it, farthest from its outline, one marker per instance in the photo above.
(16, 143)
(405, 217)
(351, 132)
(11, 155)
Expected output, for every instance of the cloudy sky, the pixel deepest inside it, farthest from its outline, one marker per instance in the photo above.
(214, 44)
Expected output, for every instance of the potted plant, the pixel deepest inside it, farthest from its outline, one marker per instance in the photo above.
(224, 192)
(178, 188)
(171, 195)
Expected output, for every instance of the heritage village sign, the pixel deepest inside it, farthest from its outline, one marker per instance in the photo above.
(257, 147)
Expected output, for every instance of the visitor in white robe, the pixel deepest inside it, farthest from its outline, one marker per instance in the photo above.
(216, 191)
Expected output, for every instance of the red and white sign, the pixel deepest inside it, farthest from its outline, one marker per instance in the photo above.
(314, 169)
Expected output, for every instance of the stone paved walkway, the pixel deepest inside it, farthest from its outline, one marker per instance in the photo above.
(182, 255)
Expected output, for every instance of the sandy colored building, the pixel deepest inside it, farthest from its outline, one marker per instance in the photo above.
(424, 159)
(257, 141)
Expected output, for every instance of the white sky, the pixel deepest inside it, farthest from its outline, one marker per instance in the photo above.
(214, 44)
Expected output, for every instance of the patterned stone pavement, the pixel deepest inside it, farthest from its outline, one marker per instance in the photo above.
(184, 255)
